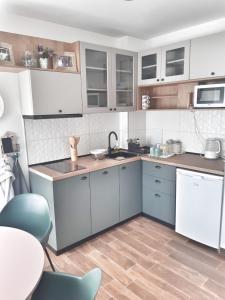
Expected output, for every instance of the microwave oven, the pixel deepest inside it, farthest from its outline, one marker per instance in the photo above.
(209, 95)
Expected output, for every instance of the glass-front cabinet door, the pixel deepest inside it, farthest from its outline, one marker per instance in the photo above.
(124, 80)
(149, 67)
(175, 62)
(95, 66)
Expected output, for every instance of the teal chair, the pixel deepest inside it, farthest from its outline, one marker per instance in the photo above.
(60, 286)
(29, 212)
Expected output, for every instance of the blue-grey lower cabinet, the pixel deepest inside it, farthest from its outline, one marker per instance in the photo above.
(104, 198)
(159, 191)
(130, 190)
(70, 208)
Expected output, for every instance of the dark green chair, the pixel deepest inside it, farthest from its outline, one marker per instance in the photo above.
(29, 212)
(60, 286)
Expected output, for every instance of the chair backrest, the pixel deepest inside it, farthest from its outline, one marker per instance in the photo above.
(28, 212)
(60, 286)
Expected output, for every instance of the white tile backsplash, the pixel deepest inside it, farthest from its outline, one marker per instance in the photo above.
(47, 140)
(180, 125)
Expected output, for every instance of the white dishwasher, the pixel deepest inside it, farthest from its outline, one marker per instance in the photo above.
(198, 206)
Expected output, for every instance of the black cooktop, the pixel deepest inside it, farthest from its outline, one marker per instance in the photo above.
(65, 166)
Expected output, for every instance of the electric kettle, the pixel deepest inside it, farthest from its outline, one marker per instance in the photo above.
(212, 148)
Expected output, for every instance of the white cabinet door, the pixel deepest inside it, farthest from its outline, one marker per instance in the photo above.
(208, 56)
(50, 93)
(124, 80)
(175, 62)
(96, 77)
(149, 67)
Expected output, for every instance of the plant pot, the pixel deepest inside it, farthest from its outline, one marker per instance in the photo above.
(43, 63)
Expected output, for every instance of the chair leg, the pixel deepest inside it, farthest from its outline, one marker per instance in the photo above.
(49, 259)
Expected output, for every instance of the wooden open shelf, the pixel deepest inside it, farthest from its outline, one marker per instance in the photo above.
(21, 43)
(175, 95)
(169, 96)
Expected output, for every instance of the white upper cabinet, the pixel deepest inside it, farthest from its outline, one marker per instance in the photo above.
(124, 80)
(208, 56)
(149, 67)
(170, 63)
(109, 79)
(50, 93)
(175, 62)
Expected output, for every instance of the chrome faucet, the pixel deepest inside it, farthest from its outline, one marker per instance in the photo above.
(109, 137)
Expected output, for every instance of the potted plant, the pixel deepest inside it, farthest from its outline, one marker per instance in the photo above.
(44, 54)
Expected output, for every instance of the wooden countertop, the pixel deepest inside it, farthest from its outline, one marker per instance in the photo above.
(191, 162)
(88, 162)
(186, 161)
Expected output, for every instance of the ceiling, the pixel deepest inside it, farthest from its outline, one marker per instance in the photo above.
(138, 18)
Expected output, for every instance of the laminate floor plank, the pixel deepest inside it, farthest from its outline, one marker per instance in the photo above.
(142, 259)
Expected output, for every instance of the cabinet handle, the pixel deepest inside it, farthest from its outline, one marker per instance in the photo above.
(162, 79)
(158, 167)
(157, 181)
(212, 73)
(157, 195)
(157, 79)
(105, 172)
(59, 110)
(115, 109)
(110, 109)
(124, 168)
(83, 177)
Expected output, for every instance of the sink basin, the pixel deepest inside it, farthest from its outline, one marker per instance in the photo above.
(120, 155)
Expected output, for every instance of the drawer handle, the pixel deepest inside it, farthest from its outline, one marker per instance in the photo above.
(124, 168)
(83, 177)
(157, 195)
(157, 181)
(105, 172)
(158, 167)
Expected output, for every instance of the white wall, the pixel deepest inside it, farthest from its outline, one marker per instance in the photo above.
(12, 119)
(43, 29)
(48, 140)
(28, 26)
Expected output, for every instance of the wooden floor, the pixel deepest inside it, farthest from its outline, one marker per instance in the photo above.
(146, 260)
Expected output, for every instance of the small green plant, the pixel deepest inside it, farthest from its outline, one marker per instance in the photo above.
(44, 52)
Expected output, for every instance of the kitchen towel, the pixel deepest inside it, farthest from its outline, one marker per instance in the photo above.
(6, 179)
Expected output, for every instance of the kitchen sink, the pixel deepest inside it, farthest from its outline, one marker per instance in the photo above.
(120, 155)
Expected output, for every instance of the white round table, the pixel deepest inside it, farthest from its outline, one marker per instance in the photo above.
(21, 263)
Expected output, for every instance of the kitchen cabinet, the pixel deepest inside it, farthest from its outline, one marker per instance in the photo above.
(130, 190)
(207, 56)
(149, 71)
(96, 78)
(70, 208)
(124, 80)
(170, 63)
(50, 93)
(159, 197)
(104, 186)
(222, 240)
(109, 79)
